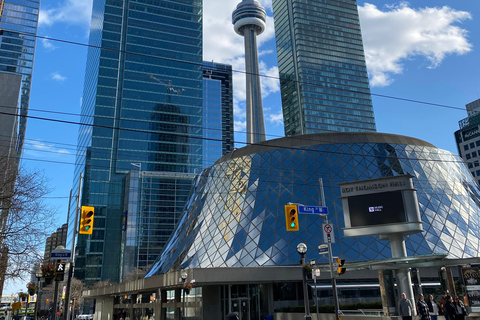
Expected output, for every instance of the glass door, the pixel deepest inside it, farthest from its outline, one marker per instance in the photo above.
(242, 306)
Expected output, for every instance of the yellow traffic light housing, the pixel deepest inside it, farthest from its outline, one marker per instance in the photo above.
(341, 269)
(86, 220)
(291, 217)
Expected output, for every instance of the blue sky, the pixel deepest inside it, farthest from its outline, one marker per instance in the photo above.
(418, 50)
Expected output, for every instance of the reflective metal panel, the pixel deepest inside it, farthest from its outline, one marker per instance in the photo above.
(235, 216)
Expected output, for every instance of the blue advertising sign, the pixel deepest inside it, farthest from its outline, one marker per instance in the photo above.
(312, 210)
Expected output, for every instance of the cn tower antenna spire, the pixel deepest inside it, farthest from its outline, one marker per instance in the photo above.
(249, 20)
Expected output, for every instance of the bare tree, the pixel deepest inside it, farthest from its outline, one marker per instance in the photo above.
(136, 273)
(101, 284)
(76, 289)
(25, 219)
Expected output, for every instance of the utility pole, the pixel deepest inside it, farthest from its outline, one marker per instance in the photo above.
(330, 258)
(70, 269)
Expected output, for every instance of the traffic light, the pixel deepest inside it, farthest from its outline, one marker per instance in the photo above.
(341, 269)
(60, 271)
(86, 220)
(291, 217)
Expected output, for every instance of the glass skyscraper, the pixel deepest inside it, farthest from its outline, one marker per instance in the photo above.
(154, 201)
(142, 108)
(18, 30)
(323, 75)
(217, 111)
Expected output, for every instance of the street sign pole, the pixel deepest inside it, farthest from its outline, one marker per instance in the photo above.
(70, 269)
(330, 257)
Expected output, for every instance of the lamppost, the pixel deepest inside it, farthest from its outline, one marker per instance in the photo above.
(184, 276)
(302, 249)
(38, 275)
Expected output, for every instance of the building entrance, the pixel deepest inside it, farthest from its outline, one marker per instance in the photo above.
(250, 301)
(242, 306)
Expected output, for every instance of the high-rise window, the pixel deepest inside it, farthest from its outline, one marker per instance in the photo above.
(323, 75)
(18, 29)
(142, 108)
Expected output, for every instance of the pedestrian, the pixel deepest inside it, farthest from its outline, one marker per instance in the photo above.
(422, 308)
(443, 301)
(450, 309)
(432, 307)
(405, 308)
(461, 311)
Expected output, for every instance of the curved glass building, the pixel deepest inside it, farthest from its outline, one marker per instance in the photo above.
(235, 214)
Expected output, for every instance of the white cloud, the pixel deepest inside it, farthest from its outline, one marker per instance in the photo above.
(400, 33)
(57, 77)
(76, 12)
(48, 44)
(40, 148)
(276, 118)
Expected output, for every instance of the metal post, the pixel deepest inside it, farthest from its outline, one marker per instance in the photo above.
(316, 292)
(404, 281)
(26, 305)
(330, 259)
(183, 311)
(305, 290)
(55, 297)
(72, 252)
(334, 279)
(39, 289)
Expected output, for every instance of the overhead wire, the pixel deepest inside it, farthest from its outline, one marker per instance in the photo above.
(268, 144)
(198, 64)
(244, 72)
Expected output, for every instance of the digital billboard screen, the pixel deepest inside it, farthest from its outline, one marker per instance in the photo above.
(376, 209)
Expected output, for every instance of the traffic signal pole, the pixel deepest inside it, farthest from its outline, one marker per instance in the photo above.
(72, 257)
(333, 276)
(330, 259)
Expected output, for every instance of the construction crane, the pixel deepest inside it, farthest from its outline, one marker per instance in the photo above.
(168, 86)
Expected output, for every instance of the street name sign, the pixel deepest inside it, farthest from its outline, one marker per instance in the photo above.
(323, 248)
(61, 254)
(312, 210)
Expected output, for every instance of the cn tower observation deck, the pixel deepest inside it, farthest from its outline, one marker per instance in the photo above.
(249, 20)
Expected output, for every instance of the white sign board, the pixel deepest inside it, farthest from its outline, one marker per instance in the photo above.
(328, 235)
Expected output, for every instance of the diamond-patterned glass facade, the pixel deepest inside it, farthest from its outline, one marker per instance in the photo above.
(235, 214)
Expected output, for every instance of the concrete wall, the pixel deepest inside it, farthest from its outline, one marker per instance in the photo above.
(211, 303)
(104, 309)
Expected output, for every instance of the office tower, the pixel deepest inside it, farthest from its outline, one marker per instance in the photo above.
(217, 111)
(249, 20)
(468, 139)
(154, 201)
(142, 108)
(58, 238)
(323, 76)
(18, 29)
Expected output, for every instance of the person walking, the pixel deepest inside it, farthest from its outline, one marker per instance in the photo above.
(422, 308)
(432, 307)
(461, 311)
(405, 308)
(443, 301)
(450, 309)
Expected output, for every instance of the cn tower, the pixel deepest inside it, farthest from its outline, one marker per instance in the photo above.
(248, 21)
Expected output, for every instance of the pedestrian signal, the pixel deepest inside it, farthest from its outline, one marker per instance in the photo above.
(60, 271)
(291, 217)
(86, 220)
